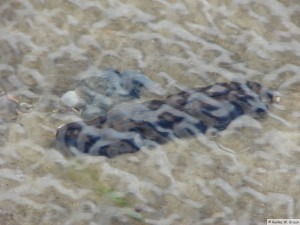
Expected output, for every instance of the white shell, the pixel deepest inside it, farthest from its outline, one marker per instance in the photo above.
(71, 99)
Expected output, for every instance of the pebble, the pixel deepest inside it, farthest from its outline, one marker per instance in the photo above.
(71, 99)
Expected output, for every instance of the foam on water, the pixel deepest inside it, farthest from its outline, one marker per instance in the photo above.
(246, 174)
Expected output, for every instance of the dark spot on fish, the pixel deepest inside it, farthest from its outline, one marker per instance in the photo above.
(90, 141)
(136, 89)
(201, 126)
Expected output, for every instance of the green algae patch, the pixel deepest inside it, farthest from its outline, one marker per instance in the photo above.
(118, 199)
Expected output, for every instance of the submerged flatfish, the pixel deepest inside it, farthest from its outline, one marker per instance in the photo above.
(129, 126)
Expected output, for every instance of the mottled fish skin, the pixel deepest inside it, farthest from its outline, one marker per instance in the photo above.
(97, 91)
(130, 126)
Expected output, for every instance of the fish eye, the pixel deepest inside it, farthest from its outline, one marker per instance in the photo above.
(273, 96)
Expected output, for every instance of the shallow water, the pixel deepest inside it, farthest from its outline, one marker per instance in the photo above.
(246, 174)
